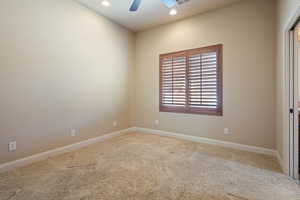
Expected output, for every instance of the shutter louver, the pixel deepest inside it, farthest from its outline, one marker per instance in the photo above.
(173, 75)
(191, 81)
(203, 80)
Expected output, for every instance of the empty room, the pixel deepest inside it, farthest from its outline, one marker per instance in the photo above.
(149, 100)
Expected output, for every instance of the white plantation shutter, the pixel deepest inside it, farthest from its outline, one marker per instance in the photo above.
(191, 81)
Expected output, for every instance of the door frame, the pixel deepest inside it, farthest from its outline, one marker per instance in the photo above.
(291, 112)
(293, 104)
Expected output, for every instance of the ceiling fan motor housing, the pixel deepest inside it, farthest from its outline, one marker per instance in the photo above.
(179, 2)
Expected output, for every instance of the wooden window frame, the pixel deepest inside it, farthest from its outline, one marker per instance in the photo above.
(186, 109)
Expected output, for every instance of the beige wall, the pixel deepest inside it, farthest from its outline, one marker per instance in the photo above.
(61, 67)
(247, 31)
(286, 10)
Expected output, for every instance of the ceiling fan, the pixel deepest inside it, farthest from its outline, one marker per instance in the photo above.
(136, 3)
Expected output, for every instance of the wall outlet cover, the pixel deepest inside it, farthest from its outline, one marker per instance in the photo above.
(115, 124)
(12, 146)
(226, 131)
(156, 122)
(73, 132)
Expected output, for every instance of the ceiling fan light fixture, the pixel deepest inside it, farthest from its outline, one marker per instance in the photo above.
(105, 3)
(173, 12)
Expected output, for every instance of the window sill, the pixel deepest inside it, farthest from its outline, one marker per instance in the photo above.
(209, 113)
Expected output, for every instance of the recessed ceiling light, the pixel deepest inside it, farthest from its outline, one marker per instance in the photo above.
(105, 3)
(173, 12)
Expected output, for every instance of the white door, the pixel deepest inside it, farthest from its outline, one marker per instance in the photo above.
(296, 102)
(293, 102)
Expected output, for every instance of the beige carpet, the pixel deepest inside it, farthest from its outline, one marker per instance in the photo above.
(139, 167)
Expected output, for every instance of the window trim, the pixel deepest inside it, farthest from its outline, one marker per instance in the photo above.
(187, 110)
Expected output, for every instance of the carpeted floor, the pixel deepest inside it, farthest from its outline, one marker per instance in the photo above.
(139, 167)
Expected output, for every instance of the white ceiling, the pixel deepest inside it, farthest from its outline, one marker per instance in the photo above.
(151, 12)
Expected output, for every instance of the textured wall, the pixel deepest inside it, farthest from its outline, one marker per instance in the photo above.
(246, 30)
(61, 67)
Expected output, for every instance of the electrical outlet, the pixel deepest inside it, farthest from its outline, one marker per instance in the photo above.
(115, 124)
(73, 132)
(156, 122)
(12, 146)
(226, 131)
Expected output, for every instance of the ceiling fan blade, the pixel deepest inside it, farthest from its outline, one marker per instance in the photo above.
(169, 3)
(135, 5)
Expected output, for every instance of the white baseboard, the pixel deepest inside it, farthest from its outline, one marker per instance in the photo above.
(209, 141)
(43, 156)
(278, 156)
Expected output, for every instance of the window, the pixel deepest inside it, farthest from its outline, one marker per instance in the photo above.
(191, 81)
